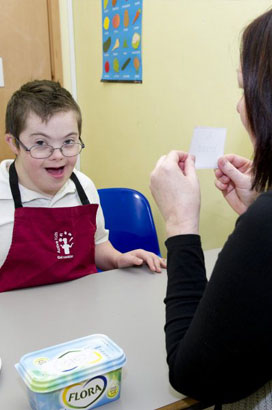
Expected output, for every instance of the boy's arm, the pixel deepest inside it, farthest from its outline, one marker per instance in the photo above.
(107, 257)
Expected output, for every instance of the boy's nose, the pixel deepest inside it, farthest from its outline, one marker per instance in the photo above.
(57, 153)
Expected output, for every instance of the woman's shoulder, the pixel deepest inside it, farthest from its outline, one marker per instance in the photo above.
(262, 203)
(259, 214)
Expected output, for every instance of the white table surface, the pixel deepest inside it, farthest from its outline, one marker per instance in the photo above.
(126, 305)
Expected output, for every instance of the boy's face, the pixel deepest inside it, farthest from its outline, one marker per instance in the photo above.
(47, 175)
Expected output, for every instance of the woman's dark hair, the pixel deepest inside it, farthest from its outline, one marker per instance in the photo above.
(256, 63)
(44, 98)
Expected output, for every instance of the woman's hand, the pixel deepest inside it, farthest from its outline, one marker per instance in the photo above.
(175, 188)
(234, 180)
(138, 257)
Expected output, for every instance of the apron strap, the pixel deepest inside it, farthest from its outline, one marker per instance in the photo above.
(83, 197)
(14, 186)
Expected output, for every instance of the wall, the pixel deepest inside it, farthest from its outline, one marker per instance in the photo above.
(190, 57)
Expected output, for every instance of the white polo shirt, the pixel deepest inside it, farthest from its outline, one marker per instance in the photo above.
(67, 196)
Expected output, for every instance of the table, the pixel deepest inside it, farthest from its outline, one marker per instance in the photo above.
(125, 304)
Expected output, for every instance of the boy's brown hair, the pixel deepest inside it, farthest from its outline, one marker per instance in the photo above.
(42, 97)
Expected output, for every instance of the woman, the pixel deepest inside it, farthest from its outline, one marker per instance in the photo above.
(219, 334)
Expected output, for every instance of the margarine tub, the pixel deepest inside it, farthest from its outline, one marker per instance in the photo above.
(82, 374)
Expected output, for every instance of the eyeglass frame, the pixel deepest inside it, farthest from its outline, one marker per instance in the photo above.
(81, 143)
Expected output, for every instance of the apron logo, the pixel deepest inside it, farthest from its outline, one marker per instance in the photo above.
(83, 395)
(64, 243)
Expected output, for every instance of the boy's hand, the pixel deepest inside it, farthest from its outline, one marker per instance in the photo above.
(107, 257)
(140, 256)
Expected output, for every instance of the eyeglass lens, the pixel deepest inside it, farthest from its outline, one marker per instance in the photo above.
(45, 151)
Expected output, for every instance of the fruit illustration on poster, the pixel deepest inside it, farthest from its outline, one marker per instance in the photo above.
(106, 23)
(125, 43)
(116, 21)
(126, 18)
(126, 63)
(116, 65)
(116, 44)
(106, 45)
(107, 66)
(136, 38)
(138, 12)
(136, 63)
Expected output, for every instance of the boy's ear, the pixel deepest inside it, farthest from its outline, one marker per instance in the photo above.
(10, 141)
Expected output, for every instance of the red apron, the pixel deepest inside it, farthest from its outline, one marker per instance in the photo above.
(49, 245)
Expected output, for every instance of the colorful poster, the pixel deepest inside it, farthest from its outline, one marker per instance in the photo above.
(122, 40)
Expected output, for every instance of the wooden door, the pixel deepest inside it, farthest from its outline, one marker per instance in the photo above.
(30, 48)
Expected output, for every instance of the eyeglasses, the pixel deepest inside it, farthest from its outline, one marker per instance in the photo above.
(70, 149)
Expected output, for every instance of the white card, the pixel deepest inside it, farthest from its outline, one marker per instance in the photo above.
(1, 73)
(207, 145)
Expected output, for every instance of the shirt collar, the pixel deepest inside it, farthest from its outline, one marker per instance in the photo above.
(28, 195)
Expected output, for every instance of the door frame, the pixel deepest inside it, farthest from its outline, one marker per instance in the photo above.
(55, 40)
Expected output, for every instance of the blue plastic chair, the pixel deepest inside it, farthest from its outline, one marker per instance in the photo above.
(129, 219)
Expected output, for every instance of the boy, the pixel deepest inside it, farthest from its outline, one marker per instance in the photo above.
(51, 223)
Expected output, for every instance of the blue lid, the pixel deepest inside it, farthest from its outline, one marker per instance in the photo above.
(61, 365)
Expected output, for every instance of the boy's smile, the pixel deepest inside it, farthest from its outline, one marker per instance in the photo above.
(46, 175)
(56, 172)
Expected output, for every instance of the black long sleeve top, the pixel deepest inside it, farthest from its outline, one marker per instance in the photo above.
(219, 333)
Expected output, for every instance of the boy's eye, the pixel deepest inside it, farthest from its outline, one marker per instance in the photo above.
(69, 141)
(40, 143)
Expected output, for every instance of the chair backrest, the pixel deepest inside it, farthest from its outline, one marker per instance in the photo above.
(129, 219)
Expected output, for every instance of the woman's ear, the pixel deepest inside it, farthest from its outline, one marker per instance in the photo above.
(10, 141)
